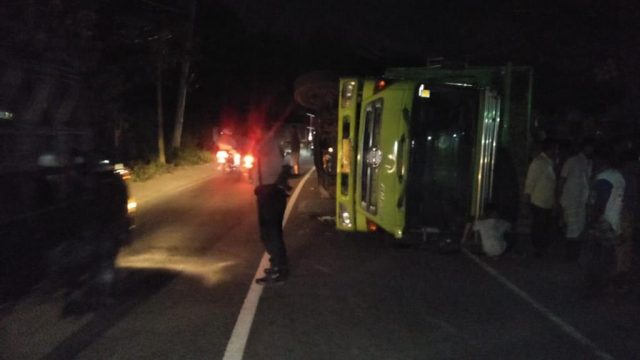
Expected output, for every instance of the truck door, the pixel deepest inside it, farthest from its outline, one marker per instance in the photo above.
(487, 137)
(383, 150)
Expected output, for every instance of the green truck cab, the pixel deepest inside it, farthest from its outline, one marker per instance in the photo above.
(424, 149)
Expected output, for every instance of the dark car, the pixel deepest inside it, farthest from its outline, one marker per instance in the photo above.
(67, 226)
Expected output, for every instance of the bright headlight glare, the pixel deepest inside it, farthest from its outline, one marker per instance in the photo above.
(132, 205)
(222, 156)
(248, 161)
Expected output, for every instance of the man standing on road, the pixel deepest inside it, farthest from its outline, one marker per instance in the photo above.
(271, 193)
(605, 222)
(539, 190)
(574, 184)
(630, 204)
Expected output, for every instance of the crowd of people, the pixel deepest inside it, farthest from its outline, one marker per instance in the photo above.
(584, 200)
(592, 196)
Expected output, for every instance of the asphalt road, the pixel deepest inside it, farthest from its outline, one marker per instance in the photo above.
(183, 283)
(180, 285)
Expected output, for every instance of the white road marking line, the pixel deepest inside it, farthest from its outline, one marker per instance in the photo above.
(294, 197)
(238, 341)
(570, 330)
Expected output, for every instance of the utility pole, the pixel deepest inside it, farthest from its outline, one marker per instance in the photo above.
(161, 154)
(182, 87)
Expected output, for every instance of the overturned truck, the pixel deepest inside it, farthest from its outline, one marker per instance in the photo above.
(421, 151)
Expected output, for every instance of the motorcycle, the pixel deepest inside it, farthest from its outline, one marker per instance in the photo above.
(328, 161)
(232, 162)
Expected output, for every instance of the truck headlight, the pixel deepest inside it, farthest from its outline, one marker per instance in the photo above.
(348, 92)
(345, 217)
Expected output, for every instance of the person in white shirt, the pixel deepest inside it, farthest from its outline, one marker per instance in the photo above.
(539, 190)
(491, 230)
(271, 174)
(604, 223)
(574, 186)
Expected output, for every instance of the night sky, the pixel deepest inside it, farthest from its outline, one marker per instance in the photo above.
(585, 52)
(579, 48)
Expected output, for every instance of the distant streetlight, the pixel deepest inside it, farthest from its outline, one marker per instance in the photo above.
(6, 115)
(310, 127)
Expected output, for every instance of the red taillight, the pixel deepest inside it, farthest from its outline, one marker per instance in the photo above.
(380, 85)
(371, 226)
(248, 161)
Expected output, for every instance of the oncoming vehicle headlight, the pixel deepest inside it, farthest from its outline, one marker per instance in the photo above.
(221, 156)
(132, 205)
(345, 217)
(122, 171)
(248, 161)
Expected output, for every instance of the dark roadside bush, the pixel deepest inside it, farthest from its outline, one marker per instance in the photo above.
(187, 156)
(143, 171)
(191, 155)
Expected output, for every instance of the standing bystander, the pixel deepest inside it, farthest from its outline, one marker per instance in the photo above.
(625, 250)
(604, 222)
(539, 193)
(271, 193)
(574, 187)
